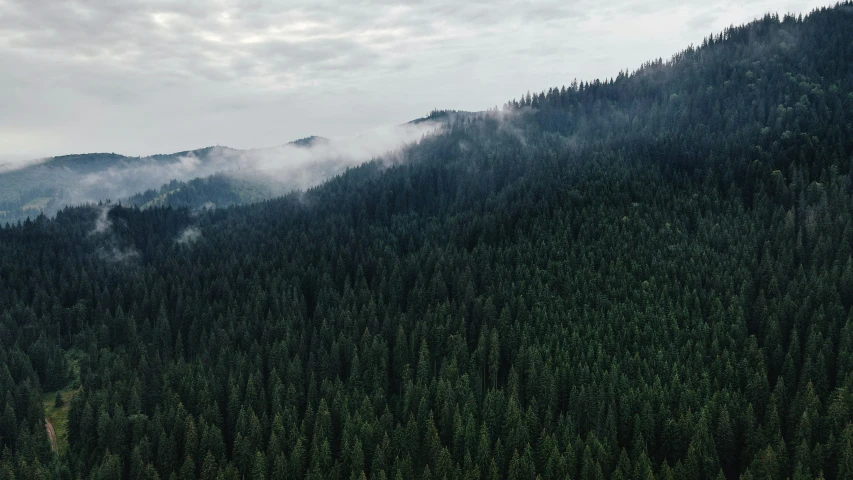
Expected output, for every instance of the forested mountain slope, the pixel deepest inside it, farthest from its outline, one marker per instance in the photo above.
(645, 277)
(203, 178)
(49, 185)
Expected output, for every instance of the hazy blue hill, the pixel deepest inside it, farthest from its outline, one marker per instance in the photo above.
(309, 141)
(84, 162)
(48, 185)
(207, 176)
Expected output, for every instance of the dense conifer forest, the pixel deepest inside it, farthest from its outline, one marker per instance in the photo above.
(645, 277)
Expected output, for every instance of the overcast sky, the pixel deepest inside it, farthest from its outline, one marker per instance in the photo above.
(154, 76)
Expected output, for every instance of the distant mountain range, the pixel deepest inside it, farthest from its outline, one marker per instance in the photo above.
(211, 176)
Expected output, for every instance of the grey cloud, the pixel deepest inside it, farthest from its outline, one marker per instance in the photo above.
(702, 22)
(146, 76)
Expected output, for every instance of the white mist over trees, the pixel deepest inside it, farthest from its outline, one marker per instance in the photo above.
(47, 185)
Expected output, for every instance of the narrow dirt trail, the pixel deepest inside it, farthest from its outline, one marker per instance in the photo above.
(51, 434)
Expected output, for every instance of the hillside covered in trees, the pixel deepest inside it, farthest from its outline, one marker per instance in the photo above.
(648, 277)
(211, 177)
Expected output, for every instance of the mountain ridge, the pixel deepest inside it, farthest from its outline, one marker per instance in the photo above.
(52, 183)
